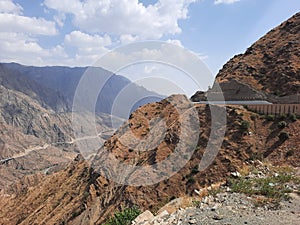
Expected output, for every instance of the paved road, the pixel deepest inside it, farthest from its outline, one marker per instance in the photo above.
(45, 146)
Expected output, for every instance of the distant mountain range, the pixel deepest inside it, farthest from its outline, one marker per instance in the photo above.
(55, 86)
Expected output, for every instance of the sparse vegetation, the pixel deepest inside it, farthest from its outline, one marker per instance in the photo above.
(270, 187)
(124, 217)
(282, 124)
(245, 125)
(195, 170)
(270, 117)
(273, 188)
(283, 135)
(191, 180)
(282, 116)
(293, 117)
(253, 117)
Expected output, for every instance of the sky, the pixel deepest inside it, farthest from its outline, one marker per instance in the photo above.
(78, 32)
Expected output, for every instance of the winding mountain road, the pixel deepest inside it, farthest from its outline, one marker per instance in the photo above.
(45, 146)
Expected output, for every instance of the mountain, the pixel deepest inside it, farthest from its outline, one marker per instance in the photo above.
(64, 80)
(15, 80)
(81, 194)
(272, 64)
(36, 131)
(268, 70)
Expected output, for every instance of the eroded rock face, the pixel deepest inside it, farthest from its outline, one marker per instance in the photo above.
(268, 70)
(272, 64)
(34, 138)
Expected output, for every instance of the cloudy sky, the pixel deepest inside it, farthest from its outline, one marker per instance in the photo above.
(78, 32)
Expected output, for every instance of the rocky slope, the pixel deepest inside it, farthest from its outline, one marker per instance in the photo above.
(98, 197)
(272, 64)
(227, 208)
(270, 67)
(34, 138)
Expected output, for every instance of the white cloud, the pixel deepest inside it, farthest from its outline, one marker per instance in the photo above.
(19, 37)
(21, 48)
(88, 45)
(24, 49)
(128, 38)
(8, 6)
(125, 17)
(22, 24)
(83, 40)
(175, 42)
(225, 1)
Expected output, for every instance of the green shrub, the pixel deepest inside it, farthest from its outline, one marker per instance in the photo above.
(271, 187)
(293, 117)
(245, 125)
(282, 124)
(270, 117)
(195, 170)
(191, 180)
(282, 116)
(124, 217)
(283, 135)
(253, 117)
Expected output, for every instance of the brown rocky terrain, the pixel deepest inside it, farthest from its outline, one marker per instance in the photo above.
(34, 138)
(96, 197)
(272, 64)
(269, 69)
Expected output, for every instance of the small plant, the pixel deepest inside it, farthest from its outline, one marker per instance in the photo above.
(253, 117)
(289, 153)
(293, 117)
(86, 194)
(245, 125)
(283, 136)
(282, 124)
(195, 170)
(124, 217)
(196, 203)
(191, 180)
(282, 116)
(270, 187)
(270, 117)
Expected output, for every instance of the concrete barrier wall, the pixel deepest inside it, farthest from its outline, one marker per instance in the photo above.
(276, 109)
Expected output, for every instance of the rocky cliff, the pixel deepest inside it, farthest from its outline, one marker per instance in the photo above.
(272, 64)
(268, 70)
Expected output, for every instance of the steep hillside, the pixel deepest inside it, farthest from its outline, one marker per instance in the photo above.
(34, 138)
(96, 197)
(272, 64)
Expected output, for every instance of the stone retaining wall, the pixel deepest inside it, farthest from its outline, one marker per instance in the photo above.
(276, 109)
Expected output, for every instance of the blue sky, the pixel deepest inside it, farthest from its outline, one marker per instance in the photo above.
(77, 32)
